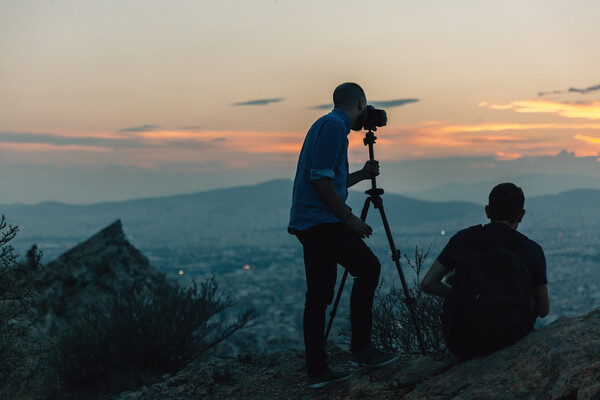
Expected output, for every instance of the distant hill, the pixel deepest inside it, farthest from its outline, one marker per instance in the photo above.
(533, 185)
(580, 199)
(247, 215)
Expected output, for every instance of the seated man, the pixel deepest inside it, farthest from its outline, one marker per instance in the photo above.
(499, 284)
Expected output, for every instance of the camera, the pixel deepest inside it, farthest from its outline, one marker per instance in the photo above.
(374, 118)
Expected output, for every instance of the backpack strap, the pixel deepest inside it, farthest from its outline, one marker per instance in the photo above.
(482, 240)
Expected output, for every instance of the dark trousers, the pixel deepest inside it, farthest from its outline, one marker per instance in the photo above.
(325, 246)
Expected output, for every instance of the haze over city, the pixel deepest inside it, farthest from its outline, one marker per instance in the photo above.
(109, 100)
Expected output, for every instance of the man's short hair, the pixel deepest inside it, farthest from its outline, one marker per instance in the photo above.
(506, 202)
(347, 94)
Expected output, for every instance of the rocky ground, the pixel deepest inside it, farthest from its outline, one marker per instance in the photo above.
(558, 362)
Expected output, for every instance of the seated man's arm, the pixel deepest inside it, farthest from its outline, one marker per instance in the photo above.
(542, 302)
(432, 282)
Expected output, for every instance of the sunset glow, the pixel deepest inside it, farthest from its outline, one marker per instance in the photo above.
(586, 110)
(232, 88)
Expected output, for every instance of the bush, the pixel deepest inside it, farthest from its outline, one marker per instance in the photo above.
(20, 353)
(142, 333)
(393, 326)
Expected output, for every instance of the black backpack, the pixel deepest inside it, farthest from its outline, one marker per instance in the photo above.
(492, 303)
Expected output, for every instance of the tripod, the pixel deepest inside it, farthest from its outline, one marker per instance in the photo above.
(375, 198)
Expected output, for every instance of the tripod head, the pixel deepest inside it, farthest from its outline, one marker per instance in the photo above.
(369, 140)
(370, 137)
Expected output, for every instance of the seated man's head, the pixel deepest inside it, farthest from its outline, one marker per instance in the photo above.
(505, 204)
(351, 98)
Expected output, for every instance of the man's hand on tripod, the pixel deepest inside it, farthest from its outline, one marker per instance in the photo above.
(371, 169)
(359, 226)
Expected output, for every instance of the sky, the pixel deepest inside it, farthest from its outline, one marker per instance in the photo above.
(110, 100)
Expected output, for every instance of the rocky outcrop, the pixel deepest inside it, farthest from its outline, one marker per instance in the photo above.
(561, 361)
(89, 273)
(558, 362)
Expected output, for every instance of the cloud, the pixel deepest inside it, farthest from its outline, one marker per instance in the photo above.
(572, 90)
(259, 102)
(549, 93)
(142, 128)
(586, 90)
(588, 139)
(323, 107)
(500, 155)
(393, 103)
(65, 140)
(502, 140)
(587, 110)
(15, 147)
(378, 104)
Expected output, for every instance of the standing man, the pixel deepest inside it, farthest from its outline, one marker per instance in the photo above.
(331, 234)
(499, 286)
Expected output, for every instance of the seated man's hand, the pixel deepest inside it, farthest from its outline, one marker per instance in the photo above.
(359, 226)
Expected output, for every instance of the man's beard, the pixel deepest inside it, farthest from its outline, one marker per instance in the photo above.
(360, 121)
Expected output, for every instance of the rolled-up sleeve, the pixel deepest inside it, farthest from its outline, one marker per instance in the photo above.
(326, 152)
(316, 174)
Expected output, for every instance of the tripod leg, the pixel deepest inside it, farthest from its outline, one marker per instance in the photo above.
(396, 257)
(363, 216)
(335, 306)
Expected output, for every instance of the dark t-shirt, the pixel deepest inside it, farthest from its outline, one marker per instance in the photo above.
(458, 251)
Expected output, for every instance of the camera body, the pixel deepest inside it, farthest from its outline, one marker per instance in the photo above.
(374, 118)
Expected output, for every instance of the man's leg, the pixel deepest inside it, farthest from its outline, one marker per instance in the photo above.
(321, 274)
(354, 255)
(337, 243)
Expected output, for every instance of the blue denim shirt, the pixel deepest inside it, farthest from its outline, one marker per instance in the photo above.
(324, 155)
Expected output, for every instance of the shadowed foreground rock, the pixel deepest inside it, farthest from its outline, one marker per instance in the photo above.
(89, 273)
(561, 361)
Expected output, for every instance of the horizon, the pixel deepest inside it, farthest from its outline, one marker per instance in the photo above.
(111, 101)
(418, 196)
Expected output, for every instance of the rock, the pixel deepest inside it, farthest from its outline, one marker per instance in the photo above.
(552, 363)
(89, 273)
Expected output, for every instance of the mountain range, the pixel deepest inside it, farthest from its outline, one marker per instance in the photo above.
(246, 215)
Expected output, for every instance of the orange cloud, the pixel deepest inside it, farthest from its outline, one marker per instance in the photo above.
(262, 142)
(48, 147)
(496, 127)
(508, 156)
(589, 139)
(214, 150)
(503, 140)
(587, 110)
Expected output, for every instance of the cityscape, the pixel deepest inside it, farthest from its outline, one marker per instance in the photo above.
(259, 265)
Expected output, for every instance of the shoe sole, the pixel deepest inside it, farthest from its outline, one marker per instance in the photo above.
(325, 383)
(384, 364)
